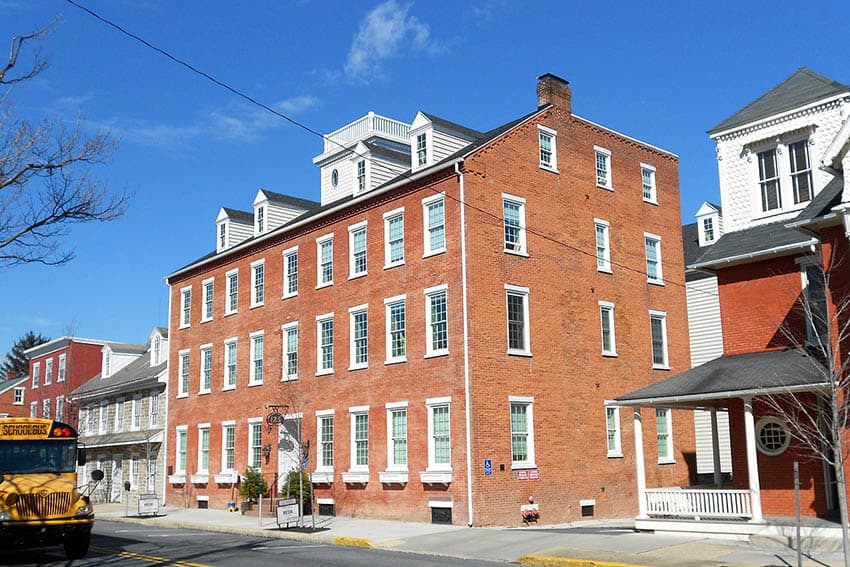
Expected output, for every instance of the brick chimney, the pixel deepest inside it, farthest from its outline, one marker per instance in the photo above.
(553, 90)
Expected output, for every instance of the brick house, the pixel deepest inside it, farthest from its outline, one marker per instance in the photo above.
(438, 337)
(781, 272)
(13, 396)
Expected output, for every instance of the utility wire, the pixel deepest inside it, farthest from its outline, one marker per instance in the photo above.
(241, 94)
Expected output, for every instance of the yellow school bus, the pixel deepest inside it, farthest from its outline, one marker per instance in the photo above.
(40, 502)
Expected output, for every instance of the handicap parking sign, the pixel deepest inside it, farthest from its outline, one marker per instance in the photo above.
(488, 467)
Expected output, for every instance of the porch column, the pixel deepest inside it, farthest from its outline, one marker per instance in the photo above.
(639, 464)
(715, 449)
(752, 460)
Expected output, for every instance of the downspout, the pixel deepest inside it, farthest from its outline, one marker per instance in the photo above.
(468, 417)
(163, 457)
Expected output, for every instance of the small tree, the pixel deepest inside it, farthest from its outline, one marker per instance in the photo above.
(297, 485)
(16, 363)
(252, 485)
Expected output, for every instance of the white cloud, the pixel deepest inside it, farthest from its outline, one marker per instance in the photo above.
(384, 33)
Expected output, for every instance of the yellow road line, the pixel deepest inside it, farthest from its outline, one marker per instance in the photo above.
(150, 558)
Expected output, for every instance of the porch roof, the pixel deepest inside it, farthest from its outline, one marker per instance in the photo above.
(740, 375)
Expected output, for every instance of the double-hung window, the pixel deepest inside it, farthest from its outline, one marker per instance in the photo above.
(397, 442)
(19, 396)
(207, 313)
(325, 428)
(434, 220)
(60, 408)
(261, 220)
(119, 415)
(153, 410)
(421, 149)
(290, 272)
(771, 194)
(801, 171)
(548, 148)
(230, 363)
(258, 275)
(522, 432)
(664, 433)
(180, 450)
(439, 434)
(603, 168)
(658, 330)
(359, 342)
(361, 175)
(103, 420)
(290, 350)
(603, 245)
(204, 448)
(708, 229)
(815, 305)
(232, 298)
(206, 369)
(256, 372)
(394, 238)
(606, 317)
(396, 328)
(519, 336)
(136, 418)
(45, 408)
(185, 306)
(60, 376)
(513, 213)
(647, 174)
(255, 443)
(612, 428)
(183, 380)
(325, 253)
(48, 372)
(654, 272)
(34, 410)
(222, 236)
(36, 374)
(359, 438)
(228, 446)
(436, 321)
(325, 342)
(357, 250)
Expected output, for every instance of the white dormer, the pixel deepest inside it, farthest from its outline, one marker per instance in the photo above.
(159, 345)
(272, 210)
(709, 223)
(432, 139)
(232, 227)
(116, 356)
(106, 362)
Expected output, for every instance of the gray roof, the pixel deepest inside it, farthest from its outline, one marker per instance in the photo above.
(6, 385)
(730, 376)
(163, 331)
(288, 200)
(444, 124)
(123, 438)
(802, 87)
(823, 202)
(128, 348)
(692, 249)
(387, 153)
(243, 217)
(136, 376)
(755, 241)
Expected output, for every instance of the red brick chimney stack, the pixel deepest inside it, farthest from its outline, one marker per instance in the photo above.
(553, 90)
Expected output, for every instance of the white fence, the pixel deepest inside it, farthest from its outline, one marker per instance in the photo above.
(698, 503)
(363, 127)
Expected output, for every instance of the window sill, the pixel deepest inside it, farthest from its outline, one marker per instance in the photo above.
(228, 388)
(523, 466)
(656, 282)
(204, 392)
(617, 455)
(326, 284)
(516, 253)
(393, 477)
(183, 327)
(252, 384)
(395, 361)
(207, 320)
(436, 354)
(200, 478)
(660, 367)
(666, 461)
(609, 354)
(184, 395)
(229, 313)
(288, 295)
(606, 187)
(650, 202)
(394, 265)
(604, 270)
(255, 305)
(435, 477)
(177, 478)
(549, 168)
(322, 477)
(355, 276)
(523, 353)
(358, 367)
(325, 372)
(292, 378)
(227, 477)
(434, 252)
(355, 477)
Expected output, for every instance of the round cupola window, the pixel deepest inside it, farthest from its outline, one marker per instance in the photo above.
(772, 436)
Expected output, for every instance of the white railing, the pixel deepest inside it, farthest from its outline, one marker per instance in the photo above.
(698, 503)
(364, 127)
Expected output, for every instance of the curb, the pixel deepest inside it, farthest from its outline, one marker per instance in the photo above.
(352, 541)
(551, 561)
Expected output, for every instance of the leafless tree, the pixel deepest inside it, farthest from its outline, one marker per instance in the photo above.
(46, 182)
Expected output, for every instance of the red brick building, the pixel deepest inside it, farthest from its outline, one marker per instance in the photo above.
(13, 396)
(441, 334)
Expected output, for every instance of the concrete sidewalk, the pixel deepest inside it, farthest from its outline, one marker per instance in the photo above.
(582, 544)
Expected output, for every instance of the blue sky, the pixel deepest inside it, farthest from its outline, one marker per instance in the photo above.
(663, 73)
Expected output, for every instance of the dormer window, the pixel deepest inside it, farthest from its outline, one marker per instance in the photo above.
(157, 347)
(260, 219)
(107, 363)
(771, 198)
(222, 236)
(784, 183)
(421, 149)
(801, 171)
(361, 175)
(708, 230)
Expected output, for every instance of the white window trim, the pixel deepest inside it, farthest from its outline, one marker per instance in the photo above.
(227, 276)
(518, 290)
(224, 426)
(184, 429)
(204, 427)
(183, 310)
(352, 311)
(284, 331)
(60, 371)
(553, 166)
(22, 392)
(251, 422)
(227, 342)
(609, 183)
(671, 457)
(523, 242)
(181, 393)
(201, 388)
(254, 265)
(252, 379)
(784, 175)
(426, 234)
(663, 316)
(320, 414)
(660, 279)
(353, 412)
(607, 268)
(528, 401)
(319, 320)
(48, 372)
(204, 315)
(607, 305)
(319, 242)
(36, 374)
(362, 225)
(430, 404)
(430, 352)
(285, 255)
(136, 411)
(654, 198)
(390, 407)
(617, 451)
(388, 216)
(388, 303)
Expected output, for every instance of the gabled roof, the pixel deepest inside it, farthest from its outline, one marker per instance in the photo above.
(242, 217)
(730, 376)
(136, 376)
(763, 240)
(6, 385)
(444, 124)
(128, 348)
(804, 86)
(709, 207)
(280, 198)
(60, 343)
(163, 331)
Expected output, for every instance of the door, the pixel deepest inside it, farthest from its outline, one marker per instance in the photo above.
(288, 450)
(117, 479)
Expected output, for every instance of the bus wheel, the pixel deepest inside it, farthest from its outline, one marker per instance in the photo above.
(77, 547)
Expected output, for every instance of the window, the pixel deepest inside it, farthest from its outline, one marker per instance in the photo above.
(134, 472)
(612, 427)
(290, 272)
(230, 363)
(394, 238)
(708, 229)
(183, 382)
(434, 217)
(48, 372)
(325, 247)
(603, 168)
(222, 236)
(771, 196)
(439, 434)
(801, 172)
(658, 328)
(436, 321)
(103, 419)
(180, 464)
(772, 437)
(19, 397)
(359, 346)
(361, 175)
(228, 446)
(421, 149)
(151, 474)
(60, 377)
(256, 374)
(107, 362)
(33, 409)
(290, 351)
(258, 271)
(206, 369)
(522, 432)
(119, 415)
(325, 427)
(397, 442)
(261, 220)
(359, 438)
(513, 211)
(156, 355)
(136, 418)
(203, 448)
(647, 174)
(548, 149)
(814, 305)
(185, 307)
(232, 292)
(325, 341)
(208, 300)
(153, 410)
(45, 408)
(60, 408)
(36, 374)
(396, 329)
(664, 433)
(335, 177)
(357, 248)
(606, 317)
(603, 246)
(654, 272)
(255, 443)
(519, 341)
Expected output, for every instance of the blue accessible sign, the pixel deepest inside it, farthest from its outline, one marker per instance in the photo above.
(488, 467)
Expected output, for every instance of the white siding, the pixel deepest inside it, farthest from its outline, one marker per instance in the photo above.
(706, 334)
(382, 171)
(705, 457)
(238, 232)
(347, 179)
(445, 145)
(280, 214)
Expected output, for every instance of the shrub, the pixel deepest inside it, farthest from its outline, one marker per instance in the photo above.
(252, 485)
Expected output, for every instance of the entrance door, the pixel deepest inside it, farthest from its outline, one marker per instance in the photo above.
(117, 478)
(288, 450)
